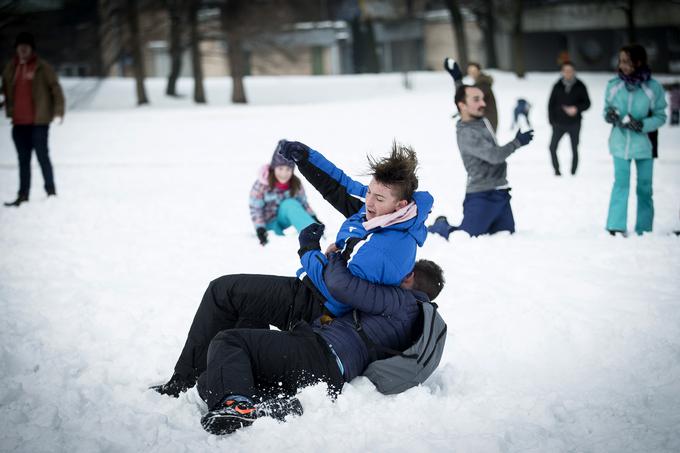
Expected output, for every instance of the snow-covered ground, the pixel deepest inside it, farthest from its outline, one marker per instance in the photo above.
(561, 338)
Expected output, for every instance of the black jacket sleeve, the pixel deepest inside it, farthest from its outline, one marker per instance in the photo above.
(361, 294)
(584, 100)
(331, 190)
(552, 105)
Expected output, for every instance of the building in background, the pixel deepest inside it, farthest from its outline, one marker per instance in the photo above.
(89, 37)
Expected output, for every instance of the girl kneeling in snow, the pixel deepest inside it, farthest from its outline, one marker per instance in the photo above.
(278, 200)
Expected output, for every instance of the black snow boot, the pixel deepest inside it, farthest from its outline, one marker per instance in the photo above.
(236, 412)
(279, 408)
(20, 199)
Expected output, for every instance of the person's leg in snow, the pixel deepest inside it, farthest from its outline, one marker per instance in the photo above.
(291, 213)
(246, 366)
(482, 209)
(504, 221)
(239, 301)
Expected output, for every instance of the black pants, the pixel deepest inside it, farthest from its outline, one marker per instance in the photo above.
(244, 301)
(654, 138)
(26, 139)
(262, 364)
(558, 131)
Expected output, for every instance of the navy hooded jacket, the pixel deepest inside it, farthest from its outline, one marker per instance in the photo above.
(388, 315)
(381, 255)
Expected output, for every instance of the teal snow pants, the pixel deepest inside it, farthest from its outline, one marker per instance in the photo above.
(290, 212)
(618, 204)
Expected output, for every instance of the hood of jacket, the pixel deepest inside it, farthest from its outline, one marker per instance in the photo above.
(263, 175)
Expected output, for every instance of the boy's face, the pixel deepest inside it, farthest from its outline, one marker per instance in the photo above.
(380, 200)
(473, 71)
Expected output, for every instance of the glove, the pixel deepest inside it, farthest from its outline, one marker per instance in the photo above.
(524, 137)
(612, 117)
(262, 235)
(294, 151)
(634, 125)
(176, 385)
(452, 68)
(309, 238)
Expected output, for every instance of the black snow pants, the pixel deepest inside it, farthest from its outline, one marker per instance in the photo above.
(574, 130)
(245, 301)
(262, 364)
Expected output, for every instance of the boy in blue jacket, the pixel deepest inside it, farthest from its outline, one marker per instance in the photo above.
(378, 240)
(254, 372)
(380, 235)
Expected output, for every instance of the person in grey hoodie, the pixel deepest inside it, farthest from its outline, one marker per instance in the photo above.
(486, 208)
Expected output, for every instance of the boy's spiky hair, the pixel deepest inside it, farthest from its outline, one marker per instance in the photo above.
(428, 278)
(398, 171)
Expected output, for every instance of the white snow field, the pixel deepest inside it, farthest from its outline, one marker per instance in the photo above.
(561, 338)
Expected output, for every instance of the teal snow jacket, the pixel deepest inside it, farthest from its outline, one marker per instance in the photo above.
(645, 102)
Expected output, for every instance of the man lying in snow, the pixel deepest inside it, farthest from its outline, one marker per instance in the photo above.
(379, 240)
(255, 372)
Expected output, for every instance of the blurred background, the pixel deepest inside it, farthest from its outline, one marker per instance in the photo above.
(241, 38)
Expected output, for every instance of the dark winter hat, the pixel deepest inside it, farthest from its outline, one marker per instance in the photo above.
(278, 159)
(25, 38)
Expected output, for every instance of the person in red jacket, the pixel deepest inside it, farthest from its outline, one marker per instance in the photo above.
(33, 99)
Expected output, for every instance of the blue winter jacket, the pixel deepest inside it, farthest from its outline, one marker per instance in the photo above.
(647, 103)
(381, 255)
(388, 316)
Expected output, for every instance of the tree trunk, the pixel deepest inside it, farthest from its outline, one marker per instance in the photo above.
(458, 31)
(517, 41)
(237, 67)
(175, 8)
(233, 15)
(197, 68)
(490, 41)
(136, 49)
(630, 21)
(364, 52)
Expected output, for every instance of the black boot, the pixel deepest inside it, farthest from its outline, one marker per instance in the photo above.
(176, 385)
(279, 408)
(20, 199)
(615, 232)
(236, 412)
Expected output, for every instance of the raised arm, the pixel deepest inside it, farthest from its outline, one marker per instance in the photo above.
(330, 189)
(341, 191)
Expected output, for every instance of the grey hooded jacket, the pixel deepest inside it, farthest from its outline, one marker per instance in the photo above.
(484, 160)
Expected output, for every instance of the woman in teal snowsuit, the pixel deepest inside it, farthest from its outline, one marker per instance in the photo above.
(635, 105)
